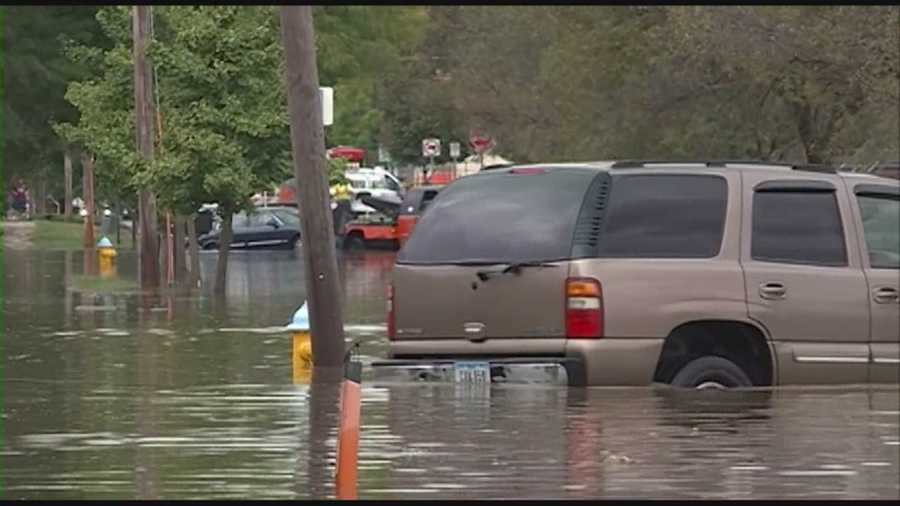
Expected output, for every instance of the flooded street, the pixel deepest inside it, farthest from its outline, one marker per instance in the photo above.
(185, 397)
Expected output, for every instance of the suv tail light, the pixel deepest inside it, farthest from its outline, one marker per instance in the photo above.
(391, 328)
(584, 308)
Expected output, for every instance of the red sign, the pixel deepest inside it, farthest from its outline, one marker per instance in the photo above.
(348, 153)
(480, 142)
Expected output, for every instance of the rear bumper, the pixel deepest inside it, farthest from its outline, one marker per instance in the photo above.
(583, 362)
(527, 370)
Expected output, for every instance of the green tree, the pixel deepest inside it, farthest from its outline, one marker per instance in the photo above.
(223, 115)
(810, 83)
(225, 126)
(358, 48)
(36, 76)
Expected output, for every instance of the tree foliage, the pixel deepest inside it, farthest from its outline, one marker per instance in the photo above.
(800, 83)
(36, 73)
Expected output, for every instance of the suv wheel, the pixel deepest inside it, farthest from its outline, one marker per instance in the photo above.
(711, 373)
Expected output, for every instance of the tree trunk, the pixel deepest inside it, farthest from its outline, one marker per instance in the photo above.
(170, 251)
(135, 223)
(224, 249)
(194, 250)
(310, 166)
(87, 164)
(164, 254)
(178, 250)
(118, 219)
(41, 197)
(67, 169)
(148, 251)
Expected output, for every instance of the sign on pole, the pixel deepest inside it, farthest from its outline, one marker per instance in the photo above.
(454, 150)
(383, 155)
(481, 142)
(326, 93)
(431, 147)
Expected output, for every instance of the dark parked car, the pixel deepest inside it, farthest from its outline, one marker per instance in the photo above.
(265, 228)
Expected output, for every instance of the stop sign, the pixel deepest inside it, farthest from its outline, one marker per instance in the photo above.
(481, 143)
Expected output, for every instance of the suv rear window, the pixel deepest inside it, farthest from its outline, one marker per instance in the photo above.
(664, 216)
(501, 217)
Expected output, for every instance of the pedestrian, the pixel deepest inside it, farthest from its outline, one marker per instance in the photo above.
(20, 198)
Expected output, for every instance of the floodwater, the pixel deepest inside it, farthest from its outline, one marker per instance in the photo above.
(190, 397)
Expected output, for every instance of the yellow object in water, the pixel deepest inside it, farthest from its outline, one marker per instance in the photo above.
(302, 357)
(107, 267)
(107, 256)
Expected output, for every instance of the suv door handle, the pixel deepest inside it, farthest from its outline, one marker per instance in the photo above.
(886, 295)
(772, 291)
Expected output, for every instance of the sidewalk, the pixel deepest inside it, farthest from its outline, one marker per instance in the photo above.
(17, 234)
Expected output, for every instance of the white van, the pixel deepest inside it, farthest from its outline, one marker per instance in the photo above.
(375, 182)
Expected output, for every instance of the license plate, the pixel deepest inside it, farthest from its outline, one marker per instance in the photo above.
(472, 372)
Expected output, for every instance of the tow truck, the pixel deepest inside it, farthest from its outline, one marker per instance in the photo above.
(392, 223)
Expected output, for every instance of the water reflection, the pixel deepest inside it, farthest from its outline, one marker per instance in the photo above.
(184, 395)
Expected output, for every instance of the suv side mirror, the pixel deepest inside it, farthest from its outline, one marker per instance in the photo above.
(273, 222)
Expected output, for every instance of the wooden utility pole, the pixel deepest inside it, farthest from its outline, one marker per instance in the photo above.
(310, 170)
(67, 169)
(148, 249)
(178, 248)
(194, 250)
(87, 164)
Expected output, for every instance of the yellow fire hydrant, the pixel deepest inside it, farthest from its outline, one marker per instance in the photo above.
(107, 254)
(302, 350)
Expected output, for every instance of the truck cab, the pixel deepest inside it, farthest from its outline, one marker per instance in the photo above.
(377, 182)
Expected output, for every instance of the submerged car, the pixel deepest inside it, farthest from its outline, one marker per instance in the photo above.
(697, 275)
(265, 228)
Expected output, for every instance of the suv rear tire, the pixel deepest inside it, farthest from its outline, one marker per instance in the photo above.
(711, 372)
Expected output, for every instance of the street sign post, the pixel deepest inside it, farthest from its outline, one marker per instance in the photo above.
(481, 143)
(431, 148)
(454, 154)
(326, 93)
(383, 155)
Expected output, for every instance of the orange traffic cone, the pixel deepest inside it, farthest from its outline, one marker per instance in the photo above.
(348, 438)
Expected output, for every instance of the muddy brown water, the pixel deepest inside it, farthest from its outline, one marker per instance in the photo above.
(188, 397)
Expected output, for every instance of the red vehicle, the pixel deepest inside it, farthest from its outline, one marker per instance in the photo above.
(394, 222)
(414, 204)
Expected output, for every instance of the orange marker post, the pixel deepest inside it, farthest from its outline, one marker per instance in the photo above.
(348, 438)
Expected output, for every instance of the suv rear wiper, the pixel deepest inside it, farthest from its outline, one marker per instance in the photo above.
(512, 267)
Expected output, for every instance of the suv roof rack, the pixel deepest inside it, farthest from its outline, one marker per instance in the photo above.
(631, 164)
(813, 167)
(497, 166)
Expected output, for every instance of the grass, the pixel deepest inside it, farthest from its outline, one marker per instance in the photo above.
(61, 235)
(85, 283)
